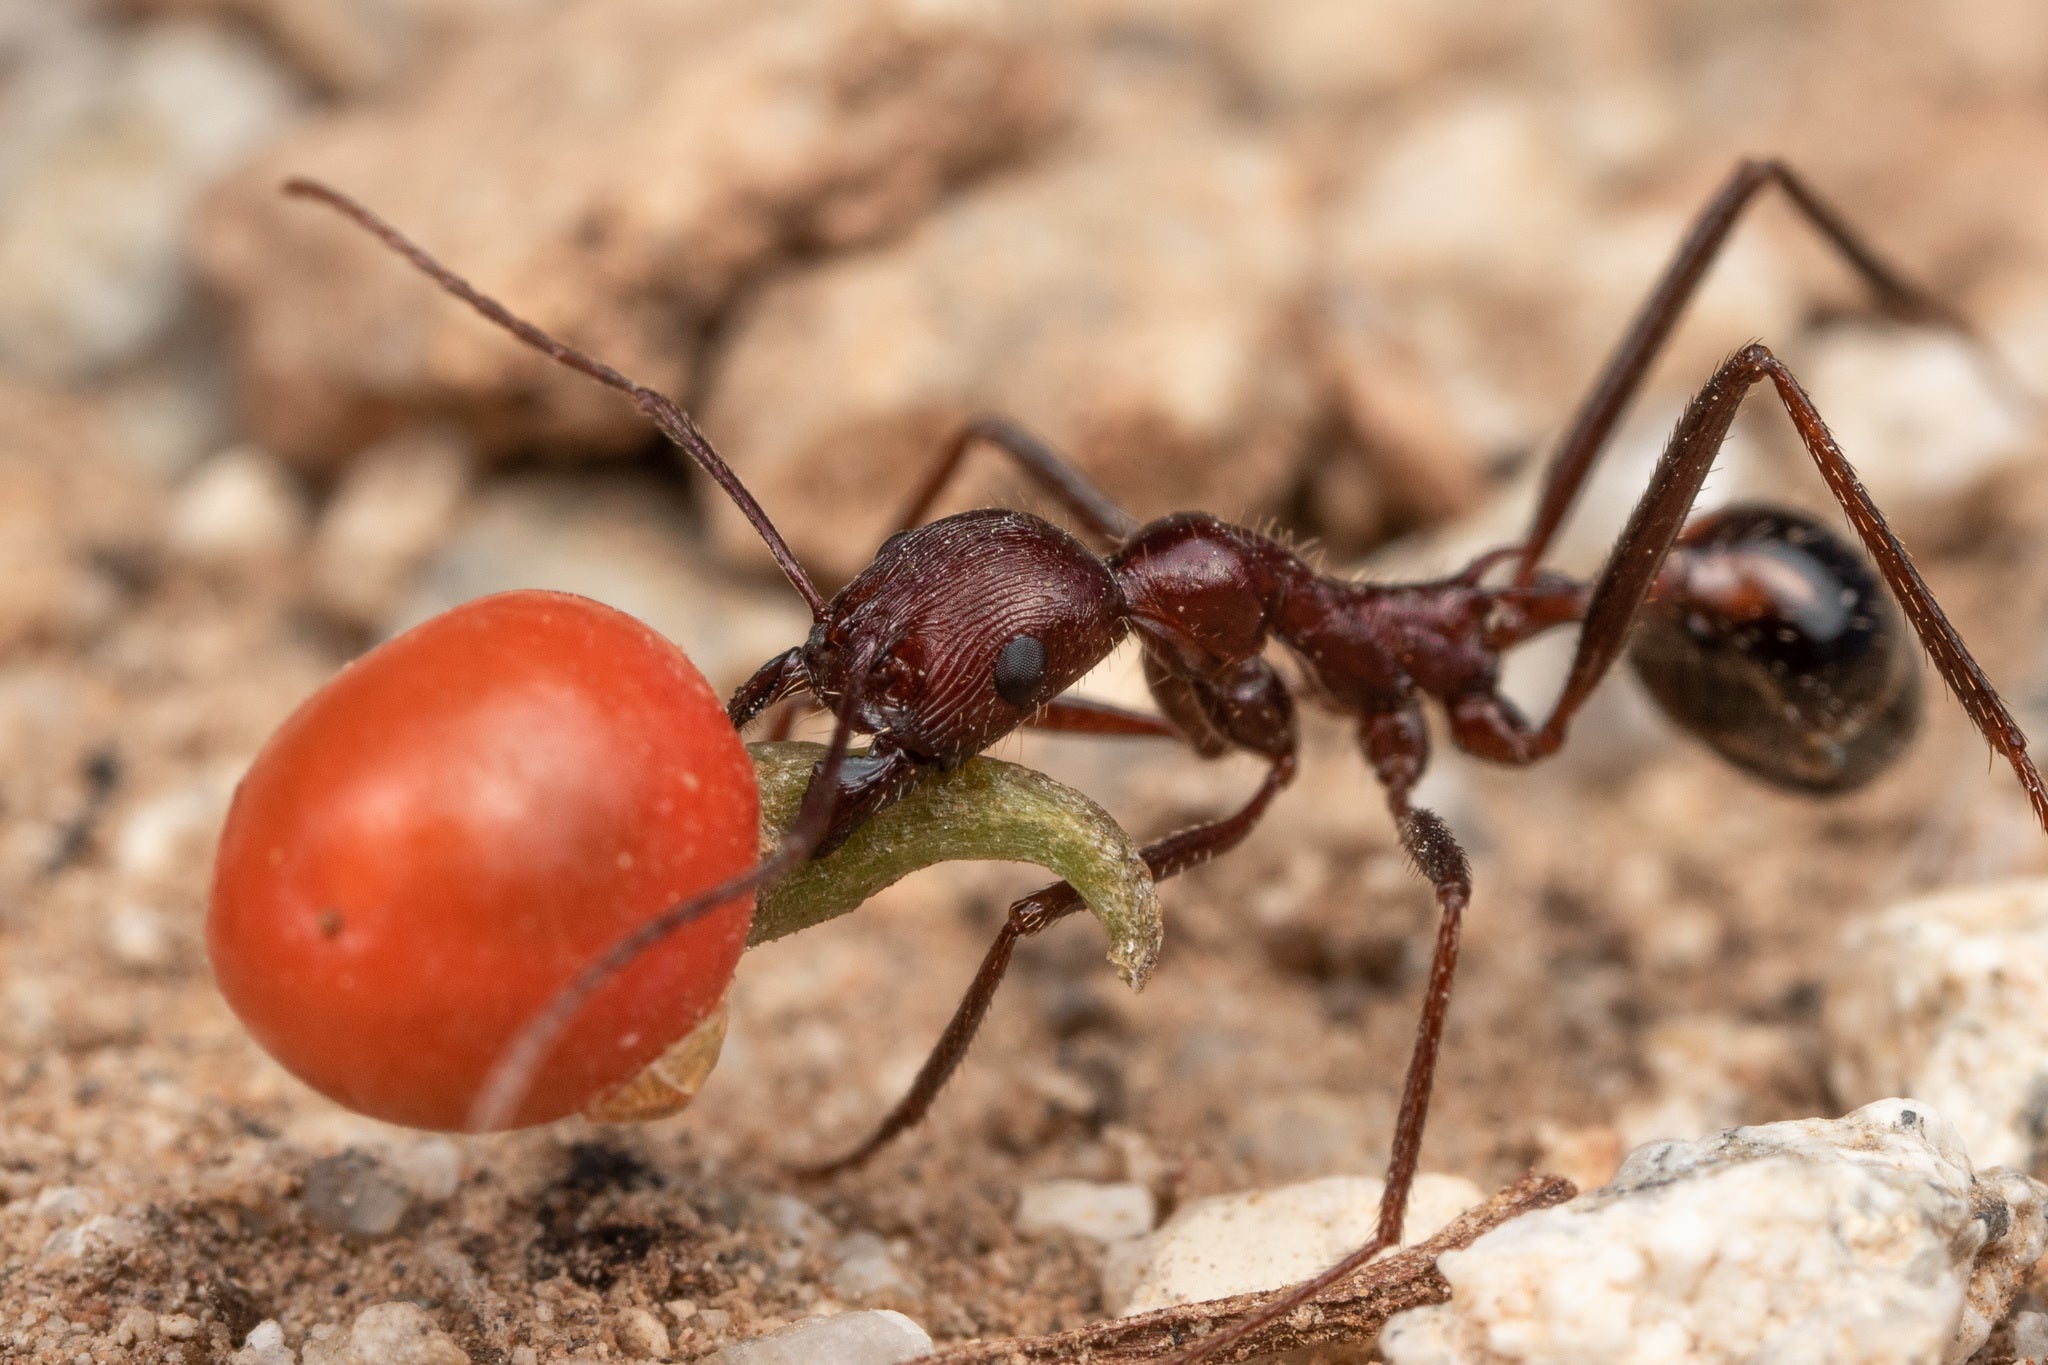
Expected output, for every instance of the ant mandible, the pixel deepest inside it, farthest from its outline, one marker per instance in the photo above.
(1758, 630)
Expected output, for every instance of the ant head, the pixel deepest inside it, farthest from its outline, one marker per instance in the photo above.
(959, 629)
(1773, 641)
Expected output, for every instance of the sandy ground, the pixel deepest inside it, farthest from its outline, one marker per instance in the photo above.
(1649, 943)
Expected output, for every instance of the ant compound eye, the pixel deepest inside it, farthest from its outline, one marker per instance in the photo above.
(1771, 640)
(1020, 671)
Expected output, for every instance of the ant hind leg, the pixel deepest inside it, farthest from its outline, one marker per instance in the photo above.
(1638, 556)
(1623, 374)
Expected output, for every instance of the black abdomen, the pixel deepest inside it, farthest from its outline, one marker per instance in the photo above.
(1775, 643)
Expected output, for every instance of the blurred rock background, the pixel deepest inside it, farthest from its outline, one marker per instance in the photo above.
(1335, 267)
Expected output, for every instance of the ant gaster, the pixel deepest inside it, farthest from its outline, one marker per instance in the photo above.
(1757, 629)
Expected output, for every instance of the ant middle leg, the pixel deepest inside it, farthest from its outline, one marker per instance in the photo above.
(1623, 374)
(1039, 461)
(1252, 707)
(1165, 858)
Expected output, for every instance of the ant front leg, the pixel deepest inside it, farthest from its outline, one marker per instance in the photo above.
(1253, 706)
(1638, 557)
(1079, 716)
(505, 1087)
(1039, 461)
(1623, 375)
(1026, 917)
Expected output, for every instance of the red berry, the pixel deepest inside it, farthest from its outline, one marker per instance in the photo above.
(444, 835)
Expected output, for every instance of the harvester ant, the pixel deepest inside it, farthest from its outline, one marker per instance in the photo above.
(1758, 630)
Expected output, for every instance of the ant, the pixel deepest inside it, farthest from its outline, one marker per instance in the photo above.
(1759, 631)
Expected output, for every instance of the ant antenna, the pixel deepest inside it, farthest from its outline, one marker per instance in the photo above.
(662, 410)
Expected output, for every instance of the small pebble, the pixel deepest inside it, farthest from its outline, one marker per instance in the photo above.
(114, 131)
(161, 832)
(65, 1203)
(395, 502)
(177, 1326)
(351, 1193)
(1238, 1243)
(237, 509)
(641, 1334)
(866, 1338)
(265, 1346)
(1946, 997)
(1086, 1208)
(2030, 1335)
(431, 1167)
(863, 1267)
(137, 938)
(401, 1334)
(790, 1216)
(1864, 1240)
(1924, 421)
(134, 1324)
(101, 1233)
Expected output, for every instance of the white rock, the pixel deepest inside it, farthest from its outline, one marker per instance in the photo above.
(101, 1233)
(137, 937)
(1704, 1068)
(1946, 997)
(167, 827)
(641, 1334)
(868, 1338)
(1239, 1243)
(394, 504)
(1916, 413)
(352, 1193)
(177, 1326)
(113, 134)
(1105, 1211)
(2030, 1335)
(401, 1334)
(134, 1323)
(239, 507)
(863, 1266)
(431, 1167)
(621, 539)
(265, 1346)
(66, 1203)
(1856, 1241)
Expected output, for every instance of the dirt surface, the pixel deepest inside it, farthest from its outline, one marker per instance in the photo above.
(1651, 933)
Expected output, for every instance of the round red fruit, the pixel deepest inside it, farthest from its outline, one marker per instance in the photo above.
(439, 839)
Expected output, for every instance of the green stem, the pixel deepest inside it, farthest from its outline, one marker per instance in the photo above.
(985, 810)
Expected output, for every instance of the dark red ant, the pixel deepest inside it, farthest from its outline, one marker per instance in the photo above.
(1758, 630)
